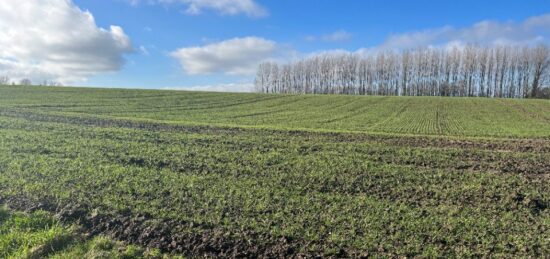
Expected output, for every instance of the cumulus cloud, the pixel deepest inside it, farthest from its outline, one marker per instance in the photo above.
(55, 40)
(226, 7)
(230, 87)
(238, 56)
(532, 30)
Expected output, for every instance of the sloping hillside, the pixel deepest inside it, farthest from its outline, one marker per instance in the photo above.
(372, 114)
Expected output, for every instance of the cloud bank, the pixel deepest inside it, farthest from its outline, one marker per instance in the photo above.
(55, 40)
(533, 30)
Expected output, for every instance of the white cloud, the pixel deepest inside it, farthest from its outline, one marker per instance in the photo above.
(55, 40)
(238, 56)
(143, 50)
(231, 87)
(225, 7)
(533, 30)
(337, 36)
(310, 38)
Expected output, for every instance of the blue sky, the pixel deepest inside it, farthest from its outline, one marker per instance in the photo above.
(214, 44)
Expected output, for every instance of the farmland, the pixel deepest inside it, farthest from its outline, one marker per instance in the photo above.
(221, 174)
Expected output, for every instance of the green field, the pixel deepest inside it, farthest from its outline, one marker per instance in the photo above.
(371, 114)
(221, 174)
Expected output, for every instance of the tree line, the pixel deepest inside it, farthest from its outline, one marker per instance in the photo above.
(491, 71)
(5, 80)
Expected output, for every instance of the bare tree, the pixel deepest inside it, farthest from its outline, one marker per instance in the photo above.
(541, 61)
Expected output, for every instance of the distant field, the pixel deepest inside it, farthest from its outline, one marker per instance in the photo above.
(371, 114)
(272, 175)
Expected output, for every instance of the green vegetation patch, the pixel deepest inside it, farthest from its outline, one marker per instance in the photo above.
(39, 235)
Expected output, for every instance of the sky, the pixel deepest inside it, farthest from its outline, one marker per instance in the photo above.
(216, 45)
